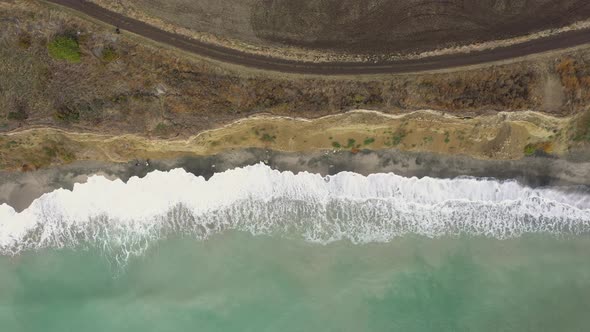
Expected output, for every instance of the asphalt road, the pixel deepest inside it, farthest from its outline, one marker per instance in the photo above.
(126, 24)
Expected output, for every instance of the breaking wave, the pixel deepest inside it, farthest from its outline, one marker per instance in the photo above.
(126, 217)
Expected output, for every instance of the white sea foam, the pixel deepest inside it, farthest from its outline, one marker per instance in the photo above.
(125, 217)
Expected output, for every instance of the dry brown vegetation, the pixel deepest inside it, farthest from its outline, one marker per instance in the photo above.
(575, 77)
(122, 85)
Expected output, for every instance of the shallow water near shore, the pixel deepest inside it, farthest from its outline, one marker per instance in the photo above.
(258, 249)
(235, 281)
(124, 218)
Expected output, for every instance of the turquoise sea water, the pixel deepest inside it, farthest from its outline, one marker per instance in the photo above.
(235, 281)
(255, 249)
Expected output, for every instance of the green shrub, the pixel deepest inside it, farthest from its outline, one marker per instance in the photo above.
(67, 114)
(161, 128)
(359, 99)
(90, 112)
(398, 137)
(530, 149)
(50, 152)
(19, 111)
(369, 141)
(351, 142)
(18, 115)
(336, 145)
(11, 144)
(64, 48)
(267, 138)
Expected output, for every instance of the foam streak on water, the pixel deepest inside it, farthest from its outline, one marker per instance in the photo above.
(127, 216)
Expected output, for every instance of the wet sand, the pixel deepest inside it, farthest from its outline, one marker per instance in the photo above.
(20, 189)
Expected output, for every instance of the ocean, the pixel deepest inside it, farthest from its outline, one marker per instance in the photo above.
(255, 249)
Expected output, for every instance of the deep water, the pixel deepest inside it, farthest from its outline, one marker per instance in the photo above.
(235, 281)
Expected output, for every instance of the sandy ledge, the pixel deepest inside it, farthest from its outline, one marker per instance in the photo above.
(20, 189)
(502, 136)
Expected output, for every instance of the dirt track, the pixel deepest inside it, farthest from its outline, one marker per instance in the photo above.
(565, 40)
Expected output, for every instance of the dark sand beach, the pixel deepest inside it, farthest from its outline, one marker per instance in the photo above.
(19, 189)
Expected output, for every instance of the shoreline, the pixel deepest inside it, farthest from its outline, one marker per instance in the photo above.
(19, 189)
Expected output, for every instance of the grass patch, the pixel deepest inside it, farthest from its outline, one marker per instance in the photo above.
(460, 135)
(90, 112)
(162, 129)
(530, 149)
(268, 138)
(64, 48)
(447, 137)
(397, 137)
(50, 152)
(336, 145)
(582, 130)
(109, 54)
(24, 40)
(67, 114)
(369, 140)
